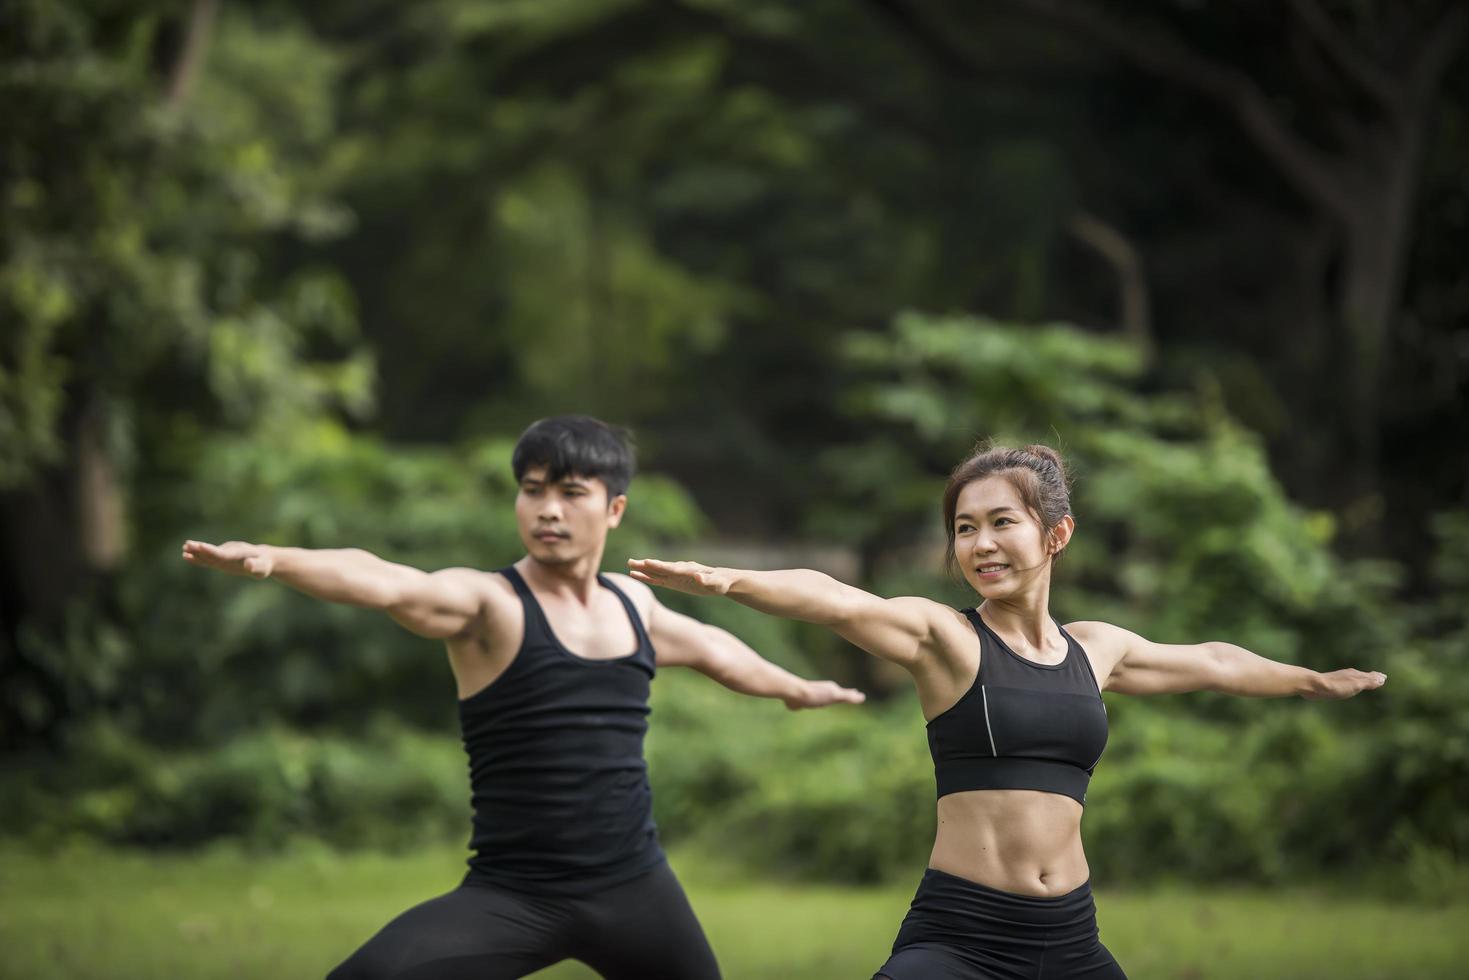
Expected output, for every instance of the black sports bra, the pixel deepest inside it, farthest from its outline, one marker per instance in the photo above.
(1022, 725)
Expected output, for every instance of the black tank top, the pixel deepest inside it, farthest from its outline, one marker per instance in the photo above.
(1021, 725)
(560, 788)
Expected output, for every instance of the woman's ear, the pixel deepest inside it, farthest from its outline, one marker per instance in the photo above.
(1058, 537)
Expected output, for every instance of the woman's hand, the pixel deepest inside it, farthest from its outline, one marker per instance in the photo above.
(1339, 684)
(232, 557)
(684, 576)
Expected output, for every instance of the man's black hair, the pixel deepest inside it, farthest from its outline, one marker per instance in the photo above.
(577, 445)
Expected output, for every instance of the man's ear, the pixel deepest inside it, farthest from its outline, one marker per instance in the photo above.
(616, 507)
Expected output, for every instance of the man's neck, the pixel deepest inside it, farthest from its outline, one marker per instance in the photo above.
(573, 580)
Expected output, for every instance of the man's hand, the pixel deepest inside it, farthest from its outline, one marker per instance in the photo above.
(1340, 684)
(232, 557)
(819, 694)
(684, 576)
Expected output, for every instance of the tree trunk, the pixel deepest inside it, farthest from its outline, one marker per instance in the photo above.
(100, 502)
(45, 567)
(1374, 250)
(63, 534)
(1134, 314)
(190, 60)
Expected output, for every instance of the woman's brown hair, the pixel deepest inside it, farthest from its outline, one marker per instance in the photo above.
(1037, 472)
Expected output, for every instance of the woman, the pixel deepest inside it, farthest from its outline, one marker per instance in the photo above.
(1006, 891)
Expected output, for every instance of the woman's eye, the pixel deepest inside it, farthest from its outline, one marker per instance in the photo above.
(1003, 520)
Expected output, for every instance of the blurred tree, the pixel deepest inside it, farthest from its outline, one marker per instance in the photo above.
(672, 211)
(147, 202)
(1181, 525)
(1340, 102)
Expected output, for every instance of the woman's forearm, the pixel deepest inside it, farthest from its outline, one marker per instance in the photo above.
(1245, 674)
(900, 630)
(794, 593)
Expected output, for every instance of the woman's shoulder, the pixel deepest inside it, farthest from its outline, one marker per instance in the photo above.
(1095, 635)
(1103, 643)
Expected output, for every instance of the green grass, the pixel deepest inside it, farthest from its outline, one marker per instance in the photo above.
(223, 914)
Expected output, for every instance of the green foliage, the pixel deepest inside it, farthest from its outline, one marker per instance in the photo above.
(1183, 531)
(387, 787)
(664, 213)
(135, 259)
(1184, 534)
(218, 655)
(1200, 541)
(839, 794)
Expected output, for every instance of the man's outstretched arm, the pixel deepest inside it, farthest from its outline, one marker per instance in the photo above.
(682, 641)
(437, 605)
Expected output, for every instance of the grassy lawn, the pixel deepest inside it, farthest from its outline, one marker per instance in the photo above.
(225, 914)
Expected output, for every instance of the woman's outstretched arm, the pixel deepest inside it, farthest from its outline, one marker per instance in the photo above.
(1130, 664)
(682, 641)
(902, 630)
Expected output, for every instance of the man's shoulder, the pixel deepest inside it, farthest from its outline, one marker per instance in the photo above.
(629, 584)
(640, 593)
(491, 589)
(480, 577)
(496, 627)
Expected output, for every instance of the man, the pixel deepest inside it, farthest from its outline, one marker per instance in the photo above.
(553, 709)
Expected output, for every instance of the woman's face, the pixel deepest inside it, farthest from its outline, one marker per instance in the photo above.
(1000, 544)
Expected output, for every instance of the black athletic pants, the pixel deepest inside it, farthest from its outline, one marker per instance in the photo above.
(642, 929)
(958, 929)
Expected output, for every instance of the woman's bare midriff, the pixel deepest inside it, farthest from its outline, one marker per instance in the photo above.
(1015, 840)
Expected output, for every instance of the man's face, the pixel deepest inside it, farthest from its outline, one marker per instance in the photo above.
(564, 520)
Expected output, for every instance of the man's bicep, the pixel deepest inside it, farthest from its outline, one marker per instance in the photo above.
(446, 603)
(680, 640)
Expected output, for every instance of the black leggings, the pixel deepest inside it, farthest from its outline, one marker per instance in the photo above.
(642, 928)
(958, 929)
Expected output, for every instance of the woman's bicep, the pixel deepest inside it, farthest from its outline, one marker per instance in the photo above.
(901, 630)
(1145, 667)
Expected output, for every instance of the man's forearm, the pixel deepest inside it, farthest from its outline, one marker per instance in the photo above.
(346, 575)
(740, 668)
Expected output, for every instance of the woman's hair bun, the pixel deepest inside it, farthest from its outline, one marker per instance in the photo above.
(1049, 455)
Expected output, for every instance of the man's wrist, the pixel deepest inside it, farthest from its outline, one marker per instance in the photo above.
(795, 694)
